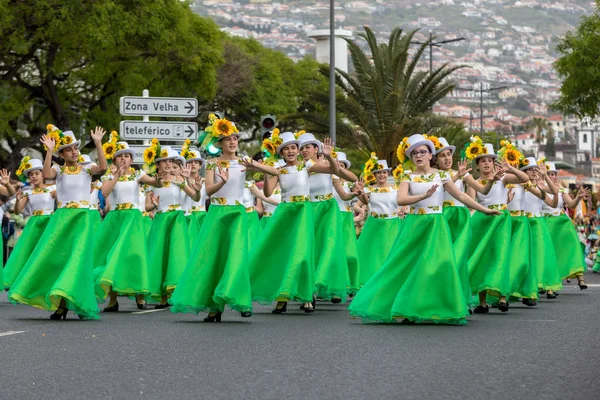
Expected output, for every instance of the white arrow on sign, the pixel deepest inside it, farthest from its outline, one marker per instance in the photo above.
(130, 106)
(176, 131)
(138, 157)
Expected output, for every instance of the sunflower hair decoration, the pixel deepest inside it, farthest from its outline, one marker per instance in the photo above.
(25, 164)
(299, 133)
(510, 153)
(218, 128)
(111, 147)
(368, 168)
(434, 140)
(473, 148)
(150, 155)
(398, 172)
(56, 134)
(270, 144)
(185, 150)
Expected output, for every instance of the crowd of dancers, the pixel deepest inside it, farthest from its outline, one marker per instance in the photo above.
(437, 245)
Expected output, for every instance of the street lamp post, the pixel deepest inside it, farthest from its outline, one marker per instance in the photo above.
(332, 120)
(481, 91)
(433, 44)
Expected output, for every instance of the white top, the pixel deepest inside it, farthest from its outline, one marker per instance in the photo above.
(112, 199)
(143, 190)
(343, 204)
(232, 193)
(518, 202)
(449, 200)
(268, 208)
(248, 196)
(294, 183)
(189, 205)
(94, 199)
(73, 186)
(532, 205)
(420, 184)
(383, 201)
(496, 198)
(169, 196)
(560, 207)
(321, 186)
(126, 192)
(40, 200)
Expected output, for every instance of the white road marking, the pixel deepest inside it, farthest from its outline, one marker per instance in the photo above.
(148, 311)
(593, 285)
(11, 333)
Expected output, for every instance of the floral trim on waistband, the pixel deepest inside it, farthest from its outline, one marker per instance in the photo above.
(171, 208)
(195, 209)
(554, 214)
(321, 197)
(74, 204)
(384, 216)
(517, 213)
(498, 207)
(531, 215)
(424, 211)
(347, 209)
(448, 203)
(125, 206)
(295, 199)
(37, 213)
(249, 209)
(267, 214)
(223, 201)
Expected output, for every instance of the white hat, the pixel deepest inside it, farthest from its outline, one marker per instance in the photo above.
(74, 140)
(170, 154)
(418, 140)
(383, 163)
(86, 160)
(489, 151)
(35, 165)
(288, 138)
(531, 163)
(550, 166)
(445, 146)
(124, 149)
(309, 138)
(341, 157)
(195, 156)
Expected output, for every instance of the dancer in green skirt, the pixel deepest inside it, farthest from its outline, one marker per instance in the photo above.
(282, 262)
(331, 275)
(419, 282)
(58, 275)
(569, 257)
(489, 261)
(195, 211)
(455, 212)
(41, 199)
(251, 194)
(343, 194)
(382, 225)
(543, 256)
(168, 242)
(121, 251)
(270, 207)
(216, 274)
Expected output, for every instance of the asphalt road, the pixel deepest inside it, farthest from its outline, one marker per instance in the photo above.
(549, 352)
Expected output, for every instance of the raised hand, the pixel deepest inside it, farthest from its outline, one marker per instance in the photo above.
(510, 195)
(462, 168)
(582, 194)
(48, 142)
(431, 191)
(154, 199)
(97, 134)
(186, 171)
(498, 175)
(223, 173)
(327, 146)
(19, 195)
(4, 177)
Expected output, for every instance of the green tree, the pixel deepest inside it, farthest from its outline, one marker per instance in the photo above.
(578, 68)
(67, 62)
(386, 98)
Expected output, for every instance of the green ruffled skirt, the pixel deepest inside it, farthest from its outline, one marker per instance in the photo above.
(419, 281)
(569, 257)
(168, 251)
(217, 271)
(543, 256)
(523, 271)
(351, 251)
(375, 243)
(121, 255)
(459, 222)
(331, 275)
(147, 224)
(264, 221)
(195, 221)
(282, 265)
(488, 265)
(34, 229)
(254, 228)
(60, 266)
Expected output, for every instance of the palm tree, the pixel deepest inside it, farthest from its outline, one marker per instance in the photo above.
(386, 98)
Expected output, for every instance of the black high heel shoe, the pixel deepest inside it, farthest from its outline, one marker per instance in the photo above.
(550, 295)
(213, 318)
(141, 306)
(59, 314)
(582, 284)
(246, 314)
(280, 310)
(113, 308)
(503, 306)
(309, 308)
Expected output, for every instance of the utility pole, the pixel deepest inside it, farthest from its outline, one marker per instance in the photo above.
(332, 113)
(481, 92)
(431, 44)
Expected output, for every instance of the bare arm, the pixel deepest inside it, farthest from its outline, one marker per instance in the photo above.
(270, 184)
(337, 185)
(404, 199)
(466, 199)
(97, 136)
(48, 172)
(260, 195)
(8, 187)
(21, 202)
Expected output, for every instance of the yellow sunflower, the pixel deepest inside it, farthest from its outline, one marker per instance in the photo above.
(334, 154)
(164, 154)
(67, 140)
(435, 141)
(474, 150)
(80, 159)
(276, 131)
(269, 147)
(27, 166)
(149, 155)
(223, 127)
(397, 172)
(155, 141)
(513, 156)
(525, 162)
(109, 150)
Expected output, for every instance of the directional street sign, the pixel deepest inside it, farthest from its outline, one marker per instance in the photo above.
(175, 130)
(138, 157)
(158, 106)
